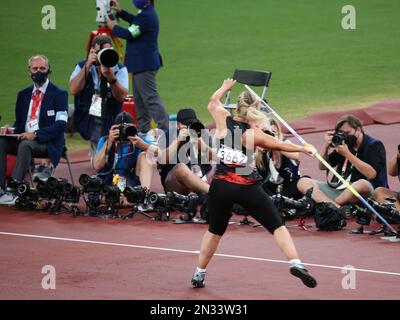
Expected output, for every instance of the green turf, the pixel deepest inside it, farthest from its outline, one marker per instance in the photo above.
(315, 64)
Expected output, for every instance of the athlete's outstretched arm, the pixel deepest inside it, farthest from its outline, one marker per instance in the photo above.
(265, 141)
(215, 106)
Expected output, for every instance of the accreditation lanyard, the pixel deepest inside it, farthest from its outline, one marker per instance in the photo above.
(117, 155)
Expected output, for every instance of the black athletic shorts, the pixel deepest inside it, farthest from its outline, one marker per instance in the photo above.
(223, 195)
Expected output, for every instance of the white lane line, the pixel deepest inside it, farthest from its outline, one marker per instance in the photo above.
(187, 251)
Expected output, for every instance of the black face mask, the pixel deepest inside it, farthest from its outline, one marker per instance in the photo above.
(351, 140)
(39, 77)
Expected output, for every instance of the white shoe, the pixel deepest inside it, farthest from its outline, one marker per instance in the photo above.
(8, 198)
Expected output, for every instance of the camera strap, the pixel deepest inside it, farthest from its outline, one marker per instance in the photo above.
(338, 185)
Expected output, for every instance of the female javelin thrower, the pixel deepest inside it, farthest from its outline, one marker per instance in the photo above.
(238, 136)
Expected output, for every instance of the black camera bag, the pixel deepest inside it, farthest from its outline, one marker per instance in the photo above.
(328, 217)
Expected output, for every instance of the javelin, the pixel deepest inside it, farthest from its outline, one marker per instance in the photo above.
(318, 156)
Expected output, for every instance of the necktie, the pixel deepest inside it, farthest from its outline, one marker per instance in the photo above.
(37, 97)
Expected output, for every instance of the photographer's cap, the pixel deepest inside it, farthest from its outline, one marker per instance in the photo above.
(186, 116)
(123, 117)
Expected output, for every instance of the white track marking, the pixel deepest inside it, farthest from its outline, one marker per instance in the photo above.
(186, 251)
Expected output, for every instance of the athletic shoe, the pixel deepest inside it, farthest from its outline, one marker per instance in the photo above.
(8, 198)
(43, 173)
(299, 271)
(198, 279)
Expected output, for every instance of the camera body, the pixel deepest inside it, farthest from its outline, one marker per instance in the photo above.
(91, 184)
(126, 130)
(291, 207)
(27, 198)
(111, 193)
(195, 128)
(135, 194)
(339, 137)
(103, 8)
(386, 210)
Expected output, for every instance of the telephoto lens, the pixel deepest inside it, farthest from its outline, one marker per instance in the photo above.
(135, 195)
(91, 184)
(126, 130)
(111, 193)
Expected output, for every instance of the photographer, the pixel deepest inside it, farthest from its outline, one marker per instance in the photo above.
(120, 154)
(280, 169)
(41, 120)
(99, 92)
(381, 194)
(185, 165)
(357, 157)
(143, 60)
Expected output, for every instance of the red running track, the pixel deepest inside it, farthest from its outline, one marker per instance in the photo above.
(142, 259)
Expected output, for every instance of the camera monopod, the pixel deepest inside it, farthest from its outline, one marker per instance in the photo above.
(318, 156)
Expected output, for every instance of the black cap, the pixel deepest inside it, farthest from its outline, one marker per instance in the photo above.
(186, 116)
(123, 117)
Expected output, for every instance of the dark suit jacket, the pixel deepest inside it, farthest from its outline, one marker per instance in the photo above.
(54, 105)
(141, 52)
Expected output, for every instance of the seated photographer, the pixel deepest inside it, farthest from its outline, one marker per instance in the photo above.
(117, 154)
(280, 169)
(184, 166)
(99, 92)
(41, 121)
(357, 157)
(384, 195)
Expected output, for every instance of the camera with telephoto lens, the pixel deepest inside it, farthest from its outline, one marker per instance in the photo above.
(126, 130)
(43, 189)
(184, 203)
(111, 194)
(172, 201)
(27, 197)
(91, 184)
(59, 187)
(135, 194)
(290, 207)
(387, 210)
(339, 137)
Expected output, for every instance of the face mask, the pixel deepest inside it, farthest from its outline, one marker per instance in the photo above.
(140, 4)
(39, 77)
(351, 141)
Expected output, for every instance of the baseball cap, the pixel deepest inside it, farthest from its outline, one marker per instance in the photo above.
(186, 116)
(123, 117)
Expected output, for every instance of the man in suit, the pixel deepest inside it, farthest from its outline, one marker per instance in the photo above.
(41, 120)
(143, 60)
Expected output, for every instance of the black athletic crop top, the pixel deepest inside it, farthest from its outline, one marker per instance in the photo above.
(236, 162)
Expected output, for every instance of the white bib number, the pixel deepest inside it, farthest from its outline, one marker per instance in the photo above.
(231, 156)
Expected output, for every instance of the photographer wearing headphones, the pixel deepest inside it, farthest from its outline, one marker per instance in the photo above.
(381, 194)
(99, 92)
(143, 60)
(357, 157)
(41, 120)
(117, 154)
(185, 166)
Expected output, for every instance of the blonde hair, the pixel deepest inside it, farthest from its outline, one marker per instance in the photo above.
(265, 124)
(248, 108)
